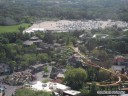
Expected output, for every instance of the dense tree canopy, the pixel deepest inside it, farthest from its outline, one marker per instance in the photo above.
(75, 78)
(12, 11)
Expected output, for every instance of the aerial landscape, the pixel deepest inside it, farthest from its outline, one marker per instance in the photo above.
(63, 47)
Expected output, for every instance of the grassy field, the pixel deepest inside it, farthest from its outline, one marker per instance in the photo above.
(13, 28)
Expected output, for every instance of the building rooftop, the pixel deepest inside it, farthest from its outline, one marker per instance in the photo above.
(28, 42)
(49, 86)
(60, 75)
(72, 92)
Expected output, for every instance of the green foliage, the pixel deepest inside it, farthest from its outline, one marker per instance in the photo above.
(14, 28)
(29, 92)
(43, 57)
(93, 90)
(85, 92)
(75, 78)
(103, 75)
(48, 37)
(92, 74)
(12, 12)
(100, 54)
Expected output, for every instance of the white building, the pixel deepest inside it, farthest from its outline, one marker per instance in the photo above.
(117, 67)
(50, 86)
(57, 88)
(30, 30)
(72, 93)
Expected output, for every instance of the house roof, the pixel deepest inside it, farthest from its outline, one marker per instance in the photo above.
(27, 42)
(60, 75)
(119, 59)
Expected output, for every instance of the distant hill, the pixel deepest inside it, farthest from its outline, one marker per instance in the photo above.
(18, 11)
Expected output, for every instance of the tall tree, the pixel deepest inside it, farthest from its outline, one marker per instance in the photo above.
(75, 78)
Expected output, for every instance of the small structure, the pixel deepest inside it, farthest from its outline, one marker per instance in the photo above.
(102, 36)
(33, 40)
(27, 43)
(37, 68)
(60, 76)
(71, 93)
(117, 67)
(30, 30)
(120, 63)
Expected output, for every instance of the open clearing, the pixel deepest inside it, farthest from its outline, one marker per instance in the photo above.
(13, 28)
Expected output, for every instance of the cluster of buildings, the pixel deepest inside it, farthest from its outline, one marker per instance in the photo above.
(67, 25)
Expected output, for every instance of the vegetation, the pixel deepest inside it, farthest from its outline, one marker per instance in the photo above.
(75, 78)
(13, 28)
(29, 92)
(12, 11)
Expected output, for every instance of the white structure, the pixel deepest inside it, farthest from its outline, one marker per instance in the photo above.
(72, 93)
(30, 30)
(50, 86)
(117, 67)
(67, 25)
(60, 75)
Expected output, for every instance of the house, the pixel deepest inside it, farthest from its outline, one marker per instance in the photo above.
(117, 67)
(33, 40)
(27, 43)
(120, 63)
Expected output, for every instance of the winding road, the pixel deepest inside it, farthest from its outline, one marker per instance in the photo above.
(87, 61)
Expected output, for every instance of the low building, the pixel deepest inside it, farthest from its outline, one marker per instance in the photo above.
(71, 93)
(27, 43)
(117, 67)
(37, 68)
(60, 76)
(50, 87)
(33, 40)
(120, 63)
